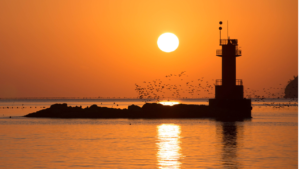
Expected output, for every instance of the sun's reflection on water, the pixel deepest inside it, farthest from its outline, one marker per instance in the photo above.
(168, 154)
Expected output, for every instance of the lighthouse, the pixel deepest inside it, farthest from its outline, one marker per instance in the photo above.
(229, 91)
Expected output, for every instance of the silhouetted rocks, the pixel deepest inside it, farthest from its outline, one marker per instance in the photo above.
(291, 90)
(147, 111)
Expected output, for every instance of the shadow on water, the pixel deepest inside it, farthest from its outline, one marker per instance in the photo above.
(231, 134)
(229, 142)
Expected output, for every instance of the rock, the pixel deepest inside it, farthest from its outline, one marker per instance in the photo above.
(291, 90)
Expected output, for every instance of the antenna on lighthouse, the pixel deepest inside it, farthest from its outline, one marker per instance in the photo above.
(220, 28)
(227, 29)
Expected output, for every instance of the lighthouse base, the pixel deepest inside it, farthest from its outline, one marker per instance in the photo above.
(231, 108)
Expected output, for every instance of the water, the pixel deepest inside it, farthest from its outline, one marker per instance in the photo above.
(268, 140)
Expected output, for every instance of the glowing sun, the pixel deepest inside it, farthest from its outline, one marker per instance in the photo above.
(167, 42)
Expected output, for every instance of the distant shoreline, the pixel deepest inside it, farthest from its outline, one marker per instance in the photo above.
(95, 98)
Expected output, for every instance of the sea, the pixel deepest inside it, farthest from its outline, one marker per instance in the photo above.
(268, 140)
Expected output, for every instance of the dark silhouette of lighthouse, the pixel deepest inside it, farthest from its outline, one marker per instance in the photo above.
(229, 91)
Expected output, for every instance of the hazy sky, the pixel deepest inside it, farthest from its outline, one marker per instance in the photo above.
(75, 48)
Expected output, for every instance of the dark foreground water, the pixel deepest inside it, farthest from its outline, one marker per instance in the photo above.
(268, 140)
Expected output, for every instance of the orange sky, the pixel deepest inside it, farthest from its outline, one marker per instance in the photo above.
(76, 48)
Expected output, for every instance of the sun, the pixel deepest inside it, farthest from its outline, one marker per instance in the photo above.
(167, 42)
(167, 103)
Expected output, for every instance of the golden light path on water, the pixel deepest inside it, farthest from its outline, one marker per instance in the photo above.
(169, 150)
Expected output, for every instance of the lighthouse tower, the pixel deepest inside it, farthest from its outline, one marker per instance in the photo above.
(229, 91)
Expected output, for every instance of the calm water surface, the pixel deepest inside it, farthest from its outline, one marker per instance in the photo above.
(268, 140)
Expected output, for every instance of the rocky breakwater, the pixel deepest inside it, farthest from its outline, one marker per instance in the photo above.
(147, 111)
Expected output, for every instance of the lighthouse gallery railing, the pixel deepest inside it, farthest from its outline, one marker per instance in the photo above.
(237, 52)
(238, 82)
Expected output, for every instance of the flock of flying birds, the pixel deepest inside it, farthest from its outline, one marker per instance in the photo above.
(164, 89)
(158, 90)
